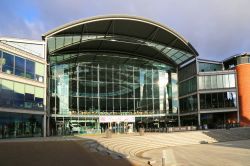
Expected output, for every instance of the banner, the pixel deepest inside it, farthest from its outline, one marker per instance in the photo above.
(108, 119)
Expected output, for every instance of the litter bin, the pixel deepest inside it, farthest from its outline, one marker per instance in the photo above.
(141, 131)
(109, 133)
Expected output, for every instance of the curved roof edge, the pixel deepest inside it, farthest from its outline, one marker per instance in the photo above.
(118, 17)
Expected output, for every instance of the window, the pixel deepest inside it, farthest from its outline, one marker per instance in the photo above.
(207, 82)
(19, 66)
(187, 86)
(30, 69)
(219, 81)
(39, 93)
(204, 67)
(201, 82)
(18, 95)
(221, 100)
(202, 101)
(208, 100)
(225, 81)
(218, 100)
(230, 99)
(213, 82)
(214, 100)
(7, 93)
(39, 70)
(8, 63)
(188, 104)
(231, 80)
(29, 96)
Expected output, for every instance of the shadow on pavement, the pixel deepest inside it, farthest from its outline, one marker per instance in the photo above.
(59, 152)
(243, 144)
(233, 134)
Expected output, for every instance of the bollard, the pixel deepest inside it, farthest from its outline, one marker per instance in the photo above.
(108, 133)
(141, 131)
(164, 158)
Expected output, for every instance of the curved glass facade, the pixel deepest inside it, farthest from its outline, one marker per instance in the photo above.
(111, 84)
(114, 66)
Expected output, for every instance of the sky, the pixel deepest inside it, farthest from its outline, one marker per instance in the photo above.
(216, 28)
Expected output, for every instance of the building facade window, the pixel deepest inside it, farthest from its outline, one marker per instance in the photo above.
(188, 104)
(19, 66)
(217, 81)
(15, 125)
(19, 95)
(188, 86)
(39, 72)
(6, 93)
(206, 67)
(30, 69)
(8, 63)
(218, 100)
(12, 64)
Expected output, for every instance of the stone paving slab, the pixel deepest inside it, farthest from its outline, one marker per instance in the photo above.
(232, 153)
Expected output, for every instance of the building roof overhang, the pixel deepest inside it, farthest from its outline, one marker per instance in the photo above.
(120, 33)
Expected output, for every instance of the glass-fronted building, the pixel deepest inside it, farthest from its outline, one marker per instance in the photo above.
(114, 67)
(208, 94)
(22, 88)
(116, 72)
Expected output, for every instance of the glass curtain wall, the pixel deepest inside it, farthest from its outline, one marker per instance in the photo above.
(110, 87)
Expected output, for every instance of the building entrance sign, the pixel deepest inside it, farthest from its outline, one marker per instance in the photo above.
(108, 119)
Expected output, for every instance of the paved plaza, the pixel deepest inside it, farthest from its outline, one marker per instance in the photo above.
(53, 152)
(181, 149)
(232, 153)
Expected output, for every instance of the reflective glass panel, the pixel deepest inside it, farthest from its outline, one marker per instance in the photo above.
(8, 63)
(113, 85)
(30, 69)
(19, 66)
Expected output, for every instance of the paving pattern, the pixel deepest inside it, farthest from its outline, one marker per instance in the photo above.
(133, 147)
(231, 153)
(182, 148)
(130, 147)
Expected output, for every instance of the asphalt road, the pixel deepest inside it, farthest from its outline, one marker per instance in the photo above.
(53, 153)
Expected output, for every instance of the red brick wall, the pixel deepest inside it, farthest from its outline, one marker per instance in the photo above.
(243, 79)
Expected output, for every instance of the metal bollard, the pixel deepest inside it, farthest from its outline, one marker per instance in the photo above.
(164, 158)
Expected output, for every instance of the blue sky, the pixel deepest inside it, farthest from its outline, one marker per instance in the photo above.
(216, 28)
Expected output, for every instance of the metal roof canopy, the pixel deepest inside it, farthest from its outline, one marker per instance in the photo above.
(125, 34)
